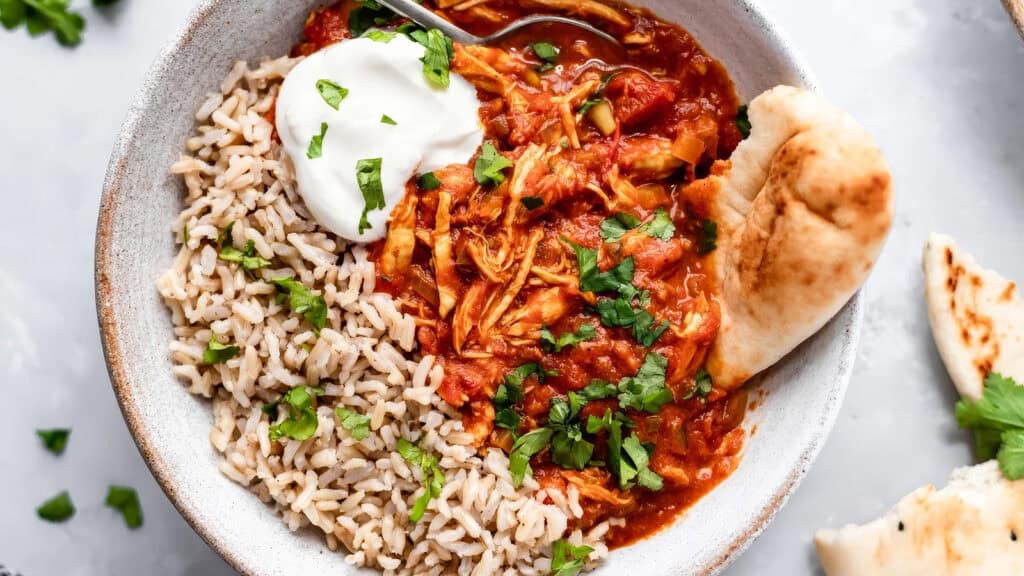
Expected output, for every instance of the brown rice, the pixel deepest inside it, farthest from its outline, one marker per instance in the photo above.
(358, 493)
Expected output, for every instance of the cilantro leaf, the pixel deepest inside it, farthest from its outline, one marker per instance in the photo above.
(301, 300)
(614, 227)
(369, 177)
(41, 16)
(551, 344)
(126, 501)
(510, 393)
(569, 450)
(523, 449)
(12, 13)
(707, 239)
(566, 559)
(382, 36)
(433, 478)
(302, 422)
(437, 60)
(637, 453)
(429, 181)
(248, 257)
(385, 119)
(661, 226)
(367, 15)
(489, 166)
(531, 202)
(599, 390)
(1011, 454)
(997, 420)
(620, 313)
(619, 278)
(646, 391)
(332, 93)
(57, 509)
(55, 440)
(702, 385)
(316, 143)
(217, 353)
(547, 52)
(356, 423)
(743, 121)
(645, 332)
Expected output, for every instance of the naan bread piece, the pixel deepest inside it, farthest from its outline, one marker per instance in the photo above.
(977, 317)
(973, 527)
(802, 215)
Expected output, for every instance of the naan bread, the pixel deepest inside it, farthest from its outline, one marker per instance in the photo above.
(977, 317)
(973, 527)
(802, 215)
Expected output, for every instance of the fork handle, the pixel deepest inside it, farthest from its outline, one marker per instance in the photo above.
(424, 17)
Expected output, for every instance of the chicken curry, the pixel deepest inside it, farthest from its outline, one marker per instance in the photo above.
(561, 277)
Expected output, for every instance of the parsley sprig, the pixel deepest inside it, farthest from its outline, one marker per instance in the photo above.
(997, 420)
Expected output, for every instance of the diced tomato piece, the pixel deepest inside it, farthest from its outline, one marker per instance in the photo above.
(638, 98)
(324, 27)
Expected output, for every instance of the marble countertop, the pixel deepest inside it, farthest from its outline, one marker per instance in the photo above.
(939, 82)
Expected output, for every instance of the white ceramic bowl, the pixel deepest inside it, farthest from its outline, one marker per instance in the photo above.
(134, 246)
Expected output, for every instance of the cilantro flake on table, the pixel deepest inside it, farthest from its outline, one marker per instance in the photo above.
(126, 501)
(55, 439)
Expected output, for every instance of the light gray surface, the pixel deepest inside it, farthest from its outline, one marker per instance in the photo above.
(939, 82)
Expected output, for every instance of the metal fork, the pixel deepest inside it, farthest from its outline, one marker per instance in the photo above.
(424, 17)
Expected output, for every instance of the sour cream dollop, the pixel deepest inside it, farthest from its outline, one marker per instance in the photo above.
(432, 128)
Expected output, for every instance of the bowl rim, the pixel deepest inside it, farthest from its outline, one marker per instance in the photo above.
(116, 361)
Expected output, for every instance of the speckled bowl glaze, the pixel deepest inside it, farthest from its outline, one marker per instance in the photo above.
(134, 246)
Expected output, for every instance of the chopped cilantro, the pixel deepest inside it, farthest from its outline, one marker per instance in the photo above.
(302, 422)
(55, 440)
(57, 509)
(599, 390)
(614, 227)
(532, 202)
(218, 353)
(356, 423)
(302, 301)
(646, 391)
(743, 121)
(660, 226)
(547, 52)
(588, 105)
(551, 344)
(617, 279)
(367, 15)
(707, 239)
(224, 237)
(331, 92)
(385, 119)
(248, 257)
(382, 36)
(429, 181)
(433, 478)
(566, 559)
(437, 60)
(126, 501)
(701, 387)
(489, 166)
(42, 16)
(316, 143)
(369, 177)
(523, 449)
